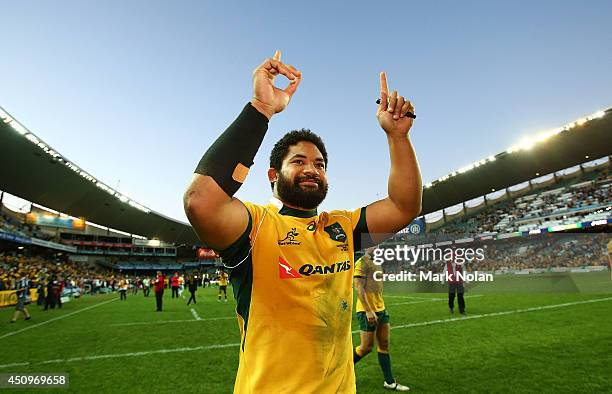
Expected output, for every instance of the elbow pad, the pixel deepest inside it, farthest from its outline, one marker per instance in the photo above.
(229, 158)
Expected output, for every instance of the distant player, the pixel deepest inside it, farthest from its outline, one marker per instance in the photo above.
(455, 286)
(223, 279)
(123, 289)
(373, 318)
(23, 293)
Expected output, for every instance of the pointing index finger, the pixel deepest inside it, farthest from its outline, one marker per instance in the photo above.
(277, 55)
(383, 84)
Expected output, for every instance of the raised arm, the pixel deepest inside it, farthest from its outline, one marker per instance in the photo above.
(403, 203)
(217, 217)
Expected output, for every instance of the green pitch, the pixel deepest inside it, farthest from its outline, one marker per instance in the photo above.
(510, 340)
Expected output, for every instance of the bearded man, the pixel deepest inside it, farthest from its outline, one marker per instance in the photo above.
(290, 266)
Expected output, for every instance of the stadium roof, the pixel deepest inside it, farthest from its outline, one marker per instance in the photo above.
(34, 171)
(584, 140)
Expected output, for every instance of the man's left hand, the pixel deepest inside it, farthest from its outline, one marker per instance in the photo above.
(391, 112)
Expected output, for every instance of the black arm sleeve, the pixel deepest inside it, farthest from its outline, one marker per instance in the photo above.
(228, 159)
(361, 234)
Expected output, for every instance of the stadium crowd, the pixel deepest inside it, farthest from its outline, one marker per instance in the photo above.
(40, 271)
(521, 253)
(77, 279)
(555, 206)
(11, 224)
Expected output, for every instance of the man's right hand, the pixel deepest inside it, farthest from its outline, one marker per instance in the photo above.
(372, 318)
(267, 98)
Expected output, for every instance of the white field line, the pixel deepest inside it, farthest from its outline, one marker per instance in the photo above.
(219, 346)
(411, 297)
(146, 323)
(195, 314)
(430, 300)
(512, 312)
(8, 334)
(14, 365)
(494, 314)
(120, 355)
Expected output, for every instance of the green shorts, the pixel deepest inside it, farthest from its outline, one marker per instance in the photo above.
(383, 318)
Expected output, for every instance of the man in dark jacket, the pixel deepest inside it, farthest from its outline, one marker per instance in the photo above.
(192, 285)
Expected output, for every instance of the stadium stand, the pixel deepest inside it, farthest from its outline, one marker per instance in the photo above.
(582, 198)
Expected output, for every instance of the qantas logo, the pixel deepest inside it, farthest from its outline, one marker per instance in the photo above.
(286, 271)
(310, 269)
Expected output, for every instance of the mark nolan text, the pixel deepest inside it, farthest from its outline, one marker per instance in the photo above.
(428, 276)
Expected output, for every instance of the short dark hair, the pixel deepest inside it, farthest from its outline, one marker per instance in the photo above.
(281, 148)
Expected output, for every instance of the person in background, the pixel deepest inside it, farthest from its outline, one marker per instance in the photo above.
(223, 281)
(192, 286)
(123, 289)
(146, 286)
(23, 294)
(158, 284)
(174, 283)
(50, 299)
(455, 285)
(373, 318)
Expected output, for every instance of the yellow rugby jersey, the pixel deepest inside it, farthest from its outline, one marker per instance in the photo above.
(365, 268)
(223, 277)
(292, 272)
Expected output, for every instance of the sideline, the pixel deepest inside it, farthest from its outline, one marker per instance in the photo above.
(146, 323)
(512, 312)
(430, 300)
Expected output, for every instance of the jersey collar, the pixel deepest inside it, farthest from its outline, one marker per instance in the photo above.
(284, 210)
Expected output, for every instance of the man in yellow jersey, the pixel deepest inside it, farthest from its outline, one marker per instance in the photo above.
(223, 280)
(291, 267)
(373, 318)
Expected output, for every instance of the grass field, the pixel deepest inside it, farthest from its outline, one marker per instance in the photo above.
(514, 341)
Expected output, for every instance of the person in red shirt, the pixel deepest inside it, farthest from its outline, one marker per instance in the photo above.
(174, 282)
(159, 283)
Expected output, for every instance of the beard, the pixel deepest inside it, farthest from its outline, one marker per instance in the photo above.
(300, 196)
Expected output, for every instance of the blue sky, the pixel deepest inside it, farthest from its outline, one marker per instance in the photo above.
(135, 91)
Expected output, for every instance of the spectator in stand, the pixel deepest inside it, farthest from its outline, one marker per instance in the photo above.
(159, 283)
